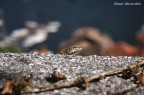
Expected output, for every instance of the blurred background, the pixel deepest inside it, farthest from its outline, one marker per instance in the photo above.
(99, 26)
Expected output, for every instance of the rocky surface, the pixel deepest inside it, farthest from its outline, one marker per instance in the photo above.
(72, 66)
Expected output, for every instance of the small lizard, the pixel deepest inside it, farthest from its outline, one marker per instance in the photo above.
(71, 50)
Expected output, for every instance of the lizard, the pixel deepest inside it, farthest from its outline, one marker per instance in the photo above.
(68, 51)
(72, 50)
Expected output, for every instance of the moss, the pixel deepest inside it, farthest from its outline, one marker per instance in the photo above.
(12, 49)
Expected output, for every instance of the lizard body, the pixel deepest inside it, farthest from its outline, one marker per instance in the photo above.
(71, 50)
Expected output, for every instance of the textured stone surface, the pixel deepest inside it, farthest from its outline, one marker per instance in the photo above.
(41, 66)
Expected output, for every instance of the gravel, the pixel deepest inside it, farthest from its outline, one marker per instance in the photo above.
(41, 66)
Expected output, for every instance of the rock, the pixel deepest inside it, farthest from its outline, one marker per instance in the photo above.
(72, 66)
